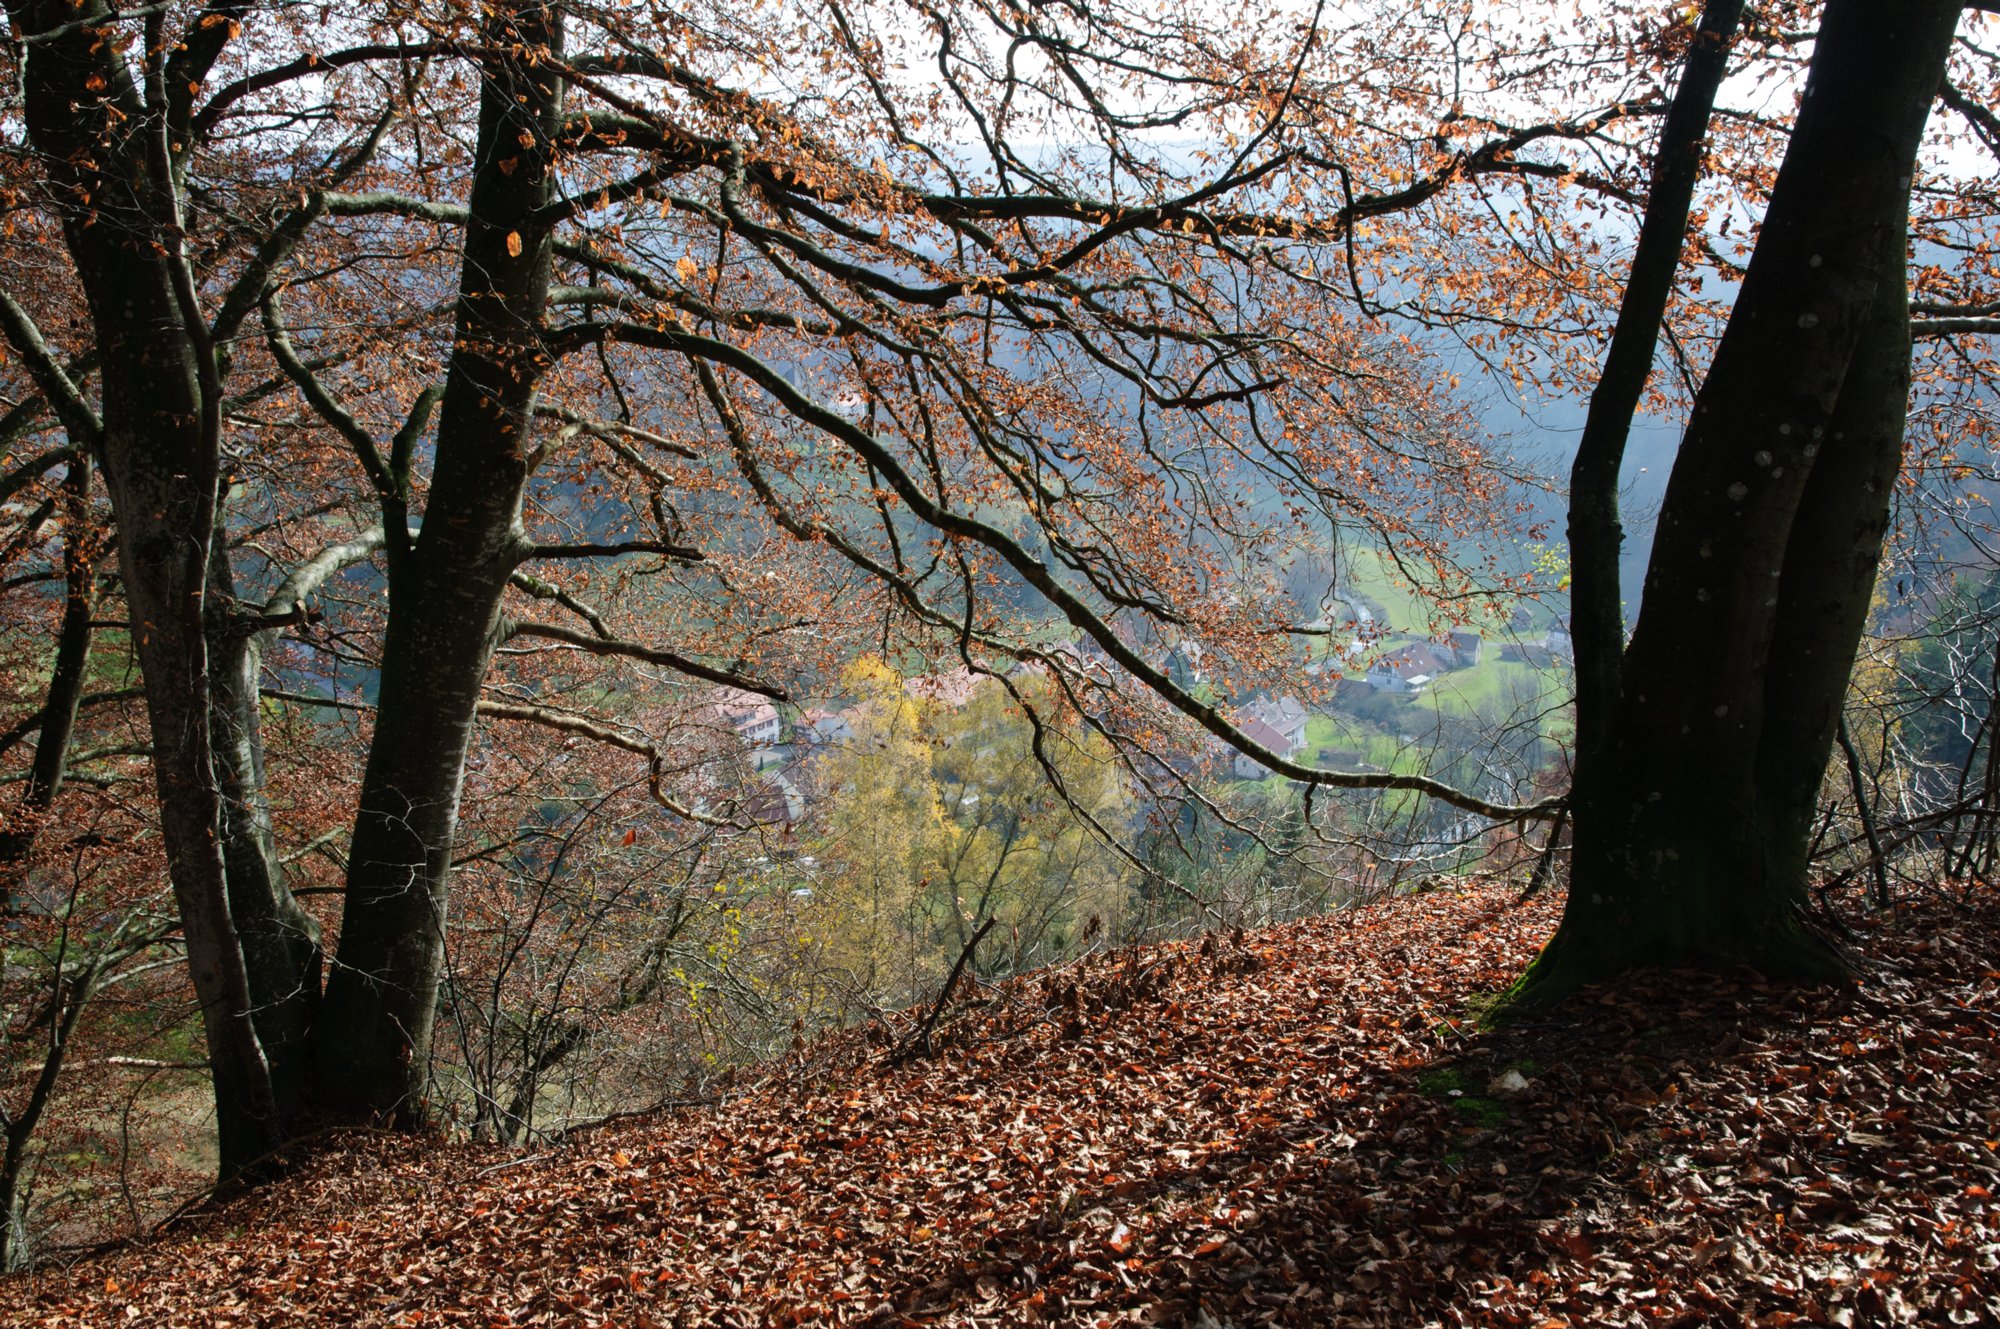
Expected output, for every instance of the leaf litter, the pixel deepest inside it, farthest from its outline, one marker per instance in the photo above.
(1299, 1126)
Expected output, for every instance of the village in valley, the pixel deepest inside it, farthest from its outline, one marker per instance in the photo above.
(1384, 690)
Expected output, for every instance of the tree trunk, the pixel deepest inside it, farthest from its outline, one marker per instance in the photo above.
(1830, 568)
(112, 177)
(1690, 846)
(1596, 532)
(279, 940)
(372, 1041)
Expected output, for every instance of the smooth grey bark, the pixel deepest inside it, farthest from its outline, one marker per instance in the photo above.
(112, 169)
(279, 939)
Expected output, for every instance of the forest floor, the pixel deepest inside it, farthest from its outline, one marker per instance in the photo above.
(1297, 1126)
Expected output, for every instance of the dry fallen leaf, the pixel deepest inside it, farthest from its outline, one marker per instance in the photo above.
(1307, 1140)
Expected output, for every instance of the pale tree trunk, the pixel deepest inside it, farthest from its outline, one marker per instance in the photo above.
(111, 172)
(279, 940)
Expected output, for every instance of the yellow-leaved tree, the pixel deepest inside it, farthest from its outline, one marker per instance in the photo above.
(943, 815)
(884, 826)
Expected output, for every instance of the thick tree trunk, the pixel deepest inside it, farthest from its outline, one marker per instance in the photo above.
(1690, 847)
(1831, 562)
(279, 940)
(159, 448)
(1596, 532)
(372, 1041)
(148, 472)
(164, 587)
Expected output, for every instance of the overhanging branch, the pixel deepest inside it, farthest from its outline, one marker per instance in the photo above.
(632, 650)
(1037, 574)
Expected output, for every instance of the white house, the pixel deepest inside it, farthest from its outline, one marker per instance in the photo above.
(1408, 668)
(752, 717)
(1264, 736)
(1284, 716)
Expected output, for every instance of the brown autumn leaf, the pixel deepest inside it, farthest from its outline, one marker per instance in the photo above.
(1278, 1151)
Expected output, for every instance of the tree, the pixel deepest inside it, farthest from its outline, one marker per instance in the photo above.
(1944, 691)
(439, 364)
(116, 161)
(1692, 811)
(955, 802)
(754, 264)
(54, 722)
(884, 832)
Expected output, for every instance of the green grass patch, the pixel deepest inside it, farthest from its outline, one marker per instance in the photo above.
(1453, 1085)
(1441, 1082)
(1485, 1113)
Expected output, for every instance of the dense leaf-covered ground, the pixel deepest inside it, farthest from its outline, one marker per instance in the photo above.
(1293, 1127)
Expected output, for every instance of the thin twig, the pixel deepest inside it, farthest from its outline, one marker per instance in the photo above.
(919, 1041)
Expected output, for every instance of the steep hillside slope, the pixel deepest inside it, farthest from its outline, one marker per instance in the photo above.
(1290, 1127)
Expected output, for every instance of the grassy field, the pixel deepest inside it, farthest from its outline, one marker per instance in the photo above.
(1505, 692)
(1495, 691)
(1344, 733)
(1371, 574)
